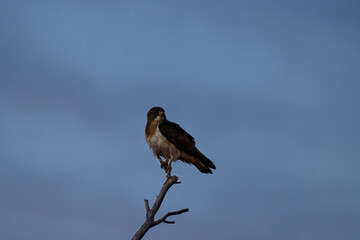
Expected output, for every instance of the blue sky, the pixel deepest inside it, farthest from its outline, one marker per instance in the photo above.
(269, 90)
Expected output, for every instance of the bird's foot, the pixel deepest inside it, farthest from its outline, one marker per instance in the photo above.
(164, 165)
(168, 169)
(168, 172)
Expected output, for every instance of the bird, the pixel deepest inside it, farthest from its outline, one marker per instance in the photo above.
(170, 141)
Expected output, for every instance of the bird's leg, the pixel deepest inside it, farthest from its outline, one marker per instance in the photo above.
(165, 164)
(162, 163)
(169, 168)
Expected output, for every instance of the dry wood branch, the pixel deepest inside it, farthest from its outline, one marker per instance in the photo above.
(150, 213)
(147, 208)
(163, 219)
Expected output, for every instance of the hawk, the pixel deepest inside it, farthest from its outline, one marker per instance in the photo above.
(168, 140)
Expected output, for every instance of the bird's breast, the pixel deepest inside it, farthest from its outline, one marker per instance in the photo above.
(159, 144)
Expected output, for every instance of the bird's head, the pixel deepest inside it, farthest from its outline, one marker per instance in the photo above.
(156, 113)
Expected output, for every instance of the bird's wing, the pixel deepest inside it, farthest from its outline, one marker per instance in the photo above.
(186, 143)
(179, 137)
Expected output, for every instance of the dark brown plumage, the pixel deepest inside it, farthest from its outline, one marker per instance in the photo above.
(168, 140)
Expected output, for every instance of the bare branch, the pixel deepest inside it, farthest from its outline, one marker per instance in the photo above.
(147, 208)
(169, 222)
(163, 219)
(150, 213)
(169, 182)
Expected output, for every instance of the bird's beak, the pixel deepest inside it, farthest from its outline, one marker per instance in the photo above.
(162, 115)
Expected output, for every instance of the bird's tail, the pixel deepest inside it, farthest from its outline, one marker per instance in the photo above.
(204, 164)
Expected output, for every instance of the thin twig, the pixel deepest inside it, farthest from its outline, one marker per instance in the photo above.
(147, 208)
(163, 219)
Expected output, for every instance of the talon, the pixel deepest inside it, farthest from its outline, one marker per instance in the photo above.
(164, 165)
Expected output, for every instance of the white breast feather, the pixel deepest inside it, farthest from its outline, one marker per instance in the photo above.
(158, 143)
